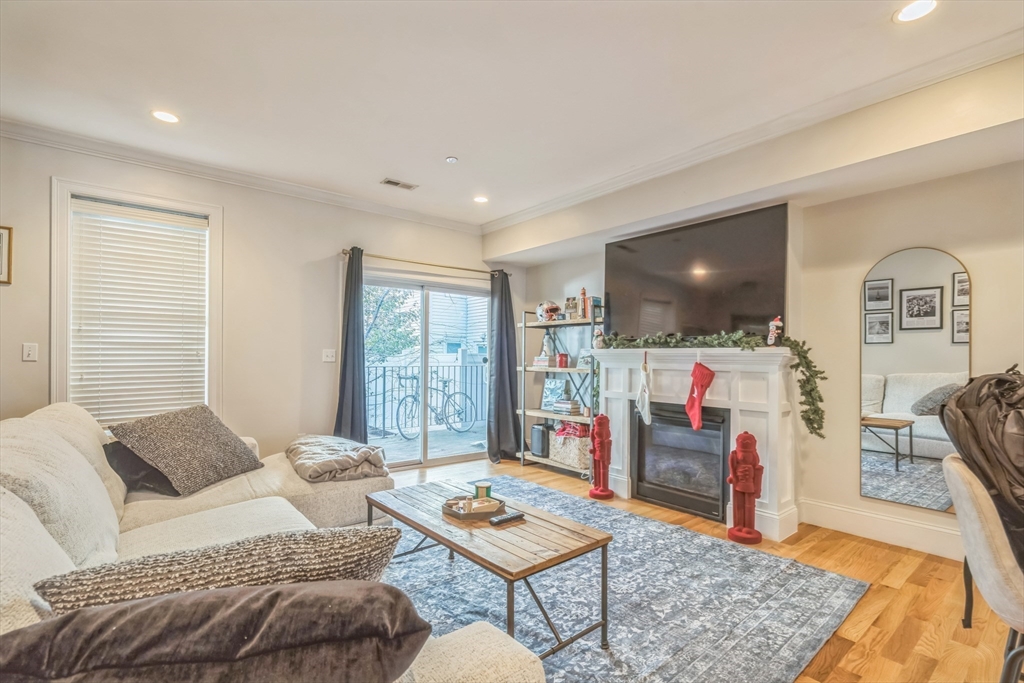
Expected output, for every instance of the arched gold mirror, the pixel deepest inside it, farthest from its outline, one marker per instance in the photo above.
(915, 352)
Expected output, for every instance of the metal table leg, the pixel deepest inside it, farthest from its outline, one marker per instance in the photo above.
(911, 428)
(510, 608)
(896, 433)
(604, 597)
(369, 515)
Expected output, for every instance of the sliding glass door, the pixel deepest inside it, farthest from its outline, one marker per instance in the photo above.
(426, 365)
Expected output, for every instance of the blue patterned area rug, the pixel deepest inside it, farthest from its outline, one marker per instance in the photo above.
(921, 483)
(683, 606)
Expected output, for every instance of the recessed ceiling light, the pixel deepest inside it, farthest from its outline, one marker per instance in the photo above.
(166, 117)
(452, 160)
(480, 200)
(699, 271)
(914, 10)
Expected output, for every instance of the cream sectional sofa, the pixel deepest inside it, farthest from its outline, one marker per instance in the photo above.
(62, 507)
(891, 396)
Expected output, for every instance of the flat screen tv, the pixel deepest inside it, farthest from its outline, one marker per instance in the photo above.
(726, 274)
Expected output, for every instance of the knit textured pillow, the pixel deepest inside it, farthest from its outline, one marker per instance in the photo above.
(293, 557)
(192, 447)
(930, 403)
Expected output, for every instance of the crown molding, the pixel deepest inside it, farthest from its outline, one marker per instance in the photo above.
(108, 150)
(975, 57)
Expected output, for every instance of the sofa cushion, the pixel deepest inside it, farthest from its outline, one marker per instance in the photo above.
(872, 391)
(925, 427)
(901, 390)
(61, 487)
(191, 446)
(291, 557)
(478, 652)
(28, 553)
(209, 527)
(136, 473)
(325, 504)
(339, 631)
(75, 425)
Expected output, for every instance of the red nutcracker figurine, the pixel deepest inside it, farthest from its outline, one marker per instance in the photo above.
(745, 473)
(601, 452)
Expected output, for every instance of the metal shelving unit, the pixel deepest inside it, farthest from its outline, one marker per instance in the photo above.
(581, 380)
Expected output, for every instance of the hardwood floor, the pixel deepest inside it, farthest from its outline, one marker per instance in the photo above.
(906, 628)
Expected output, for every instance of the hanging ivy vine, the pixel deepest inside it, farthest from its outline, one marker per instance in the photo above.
(808, 374)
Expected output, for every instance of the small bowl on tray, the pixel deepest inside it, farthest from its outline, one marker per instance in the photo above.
(469, 508)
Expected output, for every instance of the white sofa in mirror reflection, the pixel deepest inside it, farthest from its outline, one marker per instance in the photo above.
(892, 396)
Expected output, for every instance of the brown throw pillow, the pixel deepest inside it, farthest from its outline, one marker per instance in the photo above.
(338, 631)
(192, 447)
(136, 473)
(293, 557)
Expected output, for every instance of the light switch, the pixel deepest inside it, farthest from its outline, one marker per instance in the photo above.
(29, 353)
(328, 355)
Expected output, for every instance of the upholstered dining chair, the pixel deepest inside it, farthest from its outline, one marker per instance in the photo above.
(992, 565)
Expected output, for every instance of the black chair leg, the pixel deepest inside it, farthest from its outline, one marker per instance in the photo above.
(1014, 660)
(969, 595)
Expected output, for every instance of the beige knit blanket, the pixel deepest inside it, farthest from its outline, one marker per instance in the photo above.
(331, 458)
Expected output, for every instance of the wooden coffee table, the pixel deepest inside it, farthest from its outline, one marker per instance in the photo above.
(873, 423)
(513, 551)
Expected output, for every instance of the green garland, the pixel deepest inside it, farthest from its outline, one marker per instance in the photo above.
(812, 413)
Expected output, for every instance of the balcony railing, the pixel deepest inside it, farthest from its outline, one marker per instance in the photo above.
(388, 385)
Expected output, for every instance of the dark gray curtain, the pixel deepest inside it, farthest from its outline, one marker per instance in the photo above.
(351, 420)
(503, 402)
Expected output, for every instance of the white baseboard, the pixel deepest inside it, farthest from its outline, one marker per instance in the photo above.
(773, 526)
(916, 535)
(620, 485)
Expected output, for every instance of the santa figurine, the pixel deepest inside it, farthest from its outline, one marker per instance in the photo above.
(601, 452)
(775, 332)
(745, 472)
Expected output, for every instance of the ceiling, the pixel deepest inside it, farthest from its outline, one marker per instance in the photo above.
(542, 102)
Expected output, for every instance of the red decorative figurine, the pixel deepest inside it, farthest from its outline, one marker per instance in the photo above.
(745, 473)
(601, 452)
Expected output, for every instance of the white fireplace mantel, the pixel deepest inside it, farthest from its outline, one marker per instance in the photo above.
(755, 386)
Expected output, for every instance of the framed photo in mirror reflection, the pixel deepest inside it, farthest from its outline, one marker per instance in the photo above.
(961, 290)
(921, 308)
(878, 295)
(878, 328)
(961, 319)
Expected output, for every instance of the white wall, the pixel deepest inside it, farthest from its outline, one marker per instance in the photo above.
(977, 217)
(281, 304)
(916, 350)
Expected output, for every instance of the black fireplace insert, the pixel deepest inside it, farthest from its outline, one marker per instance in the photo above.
(676, 466)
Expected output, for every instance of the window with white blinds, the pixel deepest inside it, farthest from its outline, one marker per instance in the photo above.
(139, 292)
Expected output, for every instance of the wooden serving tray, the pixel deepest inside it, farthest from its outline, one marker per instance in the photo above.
(449, 508)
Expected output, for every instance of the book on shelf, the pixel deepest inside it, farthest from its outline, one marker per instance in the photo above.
(566, 407)
(542, 362)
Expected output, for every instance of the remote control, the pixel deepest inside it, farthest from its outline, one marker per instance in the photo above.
(510, 517)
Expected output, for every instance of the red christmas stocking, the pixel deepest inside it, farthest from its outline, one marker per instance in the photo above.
(701, 376)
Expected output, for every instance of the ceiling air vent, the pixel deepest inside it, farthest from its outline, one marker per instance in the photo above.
(398, 183)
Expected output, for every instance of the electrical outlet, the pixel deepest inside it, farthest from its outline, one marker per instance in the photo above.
(328, 355)
(29, 353)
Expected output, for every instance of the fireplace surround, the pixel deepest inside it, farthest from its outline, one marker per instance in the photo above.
(756, 388)
(675, 466)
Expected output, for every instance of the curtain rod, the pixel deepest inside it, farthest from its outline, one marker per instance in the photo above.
(347, 252)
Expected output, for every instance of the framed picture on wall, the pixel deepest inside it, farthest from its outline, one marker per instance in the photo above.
(878, 328)
(961, 290)
(921, 308)
(6, 255)
(878, 295)
(961, 326)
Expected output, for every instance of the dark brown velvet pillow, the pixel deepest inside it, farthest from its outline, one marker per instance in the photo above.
(136, 473)
(338, 631)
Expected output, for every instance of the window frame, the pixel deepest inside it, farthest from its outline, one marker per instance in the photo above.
(60, 279)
